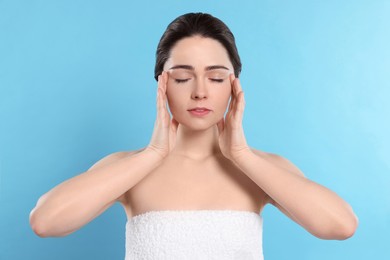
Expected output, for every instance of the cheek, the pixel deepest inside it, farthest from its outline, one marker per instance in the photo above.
(223, 96)
(226, 102)
(174, 98)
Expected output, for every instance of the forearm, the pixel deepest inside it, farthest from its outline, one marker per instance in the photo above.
(318, 209)
(75, 202)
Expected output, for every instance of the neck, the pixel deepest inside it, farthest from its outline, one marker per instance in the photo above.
(196, 144)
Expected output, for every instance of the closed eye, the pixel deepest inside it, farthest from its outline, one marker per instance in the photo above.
(185, 80)
(181, 80)
(217, 80)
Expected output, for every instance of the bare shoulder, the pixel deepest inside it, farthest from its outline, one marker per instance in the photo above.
(113, 157)
(110, 158)
(279, 161)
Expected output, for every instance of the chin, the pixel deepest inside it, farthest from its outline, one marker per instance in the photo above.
(198, 125)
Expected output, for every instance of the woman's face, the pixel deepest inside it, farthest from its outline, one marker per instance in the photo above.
(198, 76)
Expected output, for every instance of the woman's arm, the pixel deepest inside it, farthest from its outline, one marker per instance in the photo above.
(316, 208)
(77, 201)
(319, 210)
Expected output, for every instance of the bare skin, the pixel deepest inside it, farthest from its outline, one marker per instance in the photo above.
(193, 162)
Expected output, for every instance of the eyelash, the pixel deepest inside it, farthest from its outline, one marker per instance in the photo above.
(181, 80)
(185, 80)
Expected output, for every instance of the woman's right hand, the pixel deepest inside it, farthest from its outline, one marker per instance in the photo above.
(165, 128)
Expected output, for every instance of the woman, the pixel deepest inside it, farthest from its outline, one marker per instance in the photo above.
(197, 189)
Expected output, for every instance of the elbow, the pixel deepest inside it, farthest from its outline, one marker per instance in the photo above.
(39, 220)
(37, 224)
(38, 230)
(47, 225)
(42, 226)
(348, 228)
(340, 231)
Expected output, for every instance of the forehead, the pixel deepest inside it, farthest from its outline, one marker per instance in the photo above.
(198, 52)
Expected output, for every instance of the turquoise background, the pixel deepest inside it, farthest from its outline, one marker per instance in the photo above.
(76, 84)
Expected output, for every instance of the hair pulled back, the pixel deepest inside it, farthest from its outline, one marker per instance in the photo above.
(192, 24)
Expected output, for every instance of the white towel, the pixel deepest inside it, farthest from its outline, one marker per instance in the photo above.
(194, 234)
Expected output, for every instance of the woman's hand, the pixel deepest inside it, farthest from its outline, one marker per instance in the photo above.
(165, 128)
(232, 140)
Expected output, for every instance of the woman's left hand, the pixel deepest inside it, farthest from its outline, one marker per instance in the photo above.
(232, 140)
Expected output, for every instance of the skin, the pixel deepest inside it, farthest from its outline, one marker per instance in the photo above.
(320, 211)
(197, 136)
(184, 150)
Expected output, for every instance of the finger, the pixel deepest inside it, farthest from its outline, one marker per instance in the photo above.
(158, 92)
(238, 86)
(164, 87)
(162, 94)
(160, 80)
(161, 86)
(238, 93)
(239, 112)
(165, 80)
(234, 97)
(160, 101)
(158, 84)
(221, 125)
(166, 77)
(165, 98)
(232, 78)
(241, 103)
(231, 103)
(160, 89)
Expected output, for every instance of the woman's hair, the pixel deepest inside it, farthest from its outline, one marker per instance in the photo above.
(192, 24)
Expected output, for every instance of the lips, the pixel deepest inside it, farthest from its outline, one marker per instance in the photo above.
(199, 109)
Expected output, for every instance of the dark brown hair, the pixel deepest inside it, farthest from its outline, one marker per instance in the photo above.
(192, 24)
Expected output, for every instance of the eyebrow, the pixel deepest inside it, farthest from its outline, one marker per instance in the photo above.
(189, 67)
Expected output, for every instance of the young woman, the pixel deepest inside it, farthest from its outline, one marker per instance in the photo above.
(197, 190)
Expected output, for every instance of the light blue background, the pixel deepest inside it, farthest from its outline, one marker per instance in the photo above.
(76, 83)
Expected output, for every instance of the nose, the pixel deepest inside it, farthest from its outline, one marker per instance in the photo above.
(200, 90)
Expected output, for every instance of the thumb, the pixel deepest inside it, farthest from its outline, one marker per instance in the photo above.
(221, 125)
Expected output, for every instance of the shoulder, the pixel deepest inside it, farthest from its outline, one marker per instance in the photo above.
(110, 158)
(279, 161)
(113, 157)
